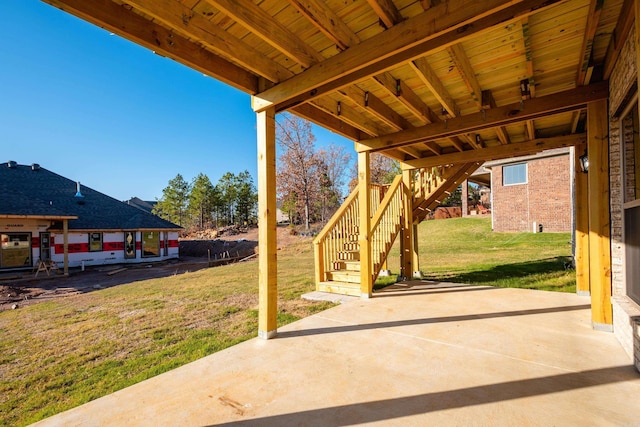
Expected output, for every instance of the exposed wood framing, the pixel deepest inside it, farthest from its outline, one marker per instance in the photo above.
(620, 34)
(586, 61)
(502, 116)
(327, 21)
(407, 96)
(499, 152)
(121, 21)
(465, 70)
(431, 80)
(528, 56)
(260, 23)
(599, 217)
(329, 121)
(386, 11)
(406, 232)
(214, 38)
(440, 26)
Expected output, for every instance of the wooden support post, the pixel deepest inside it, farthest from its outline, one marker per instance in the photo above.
(65, 245)
(581, 255)
(267, 247)
(416, 253)
(406, 233)
(364, 202)
(599, 216)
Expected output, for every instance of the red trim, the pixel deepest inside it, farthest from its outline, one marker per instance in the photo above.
(113, 246)
(35, 241)
(173, 244)
(74, 248)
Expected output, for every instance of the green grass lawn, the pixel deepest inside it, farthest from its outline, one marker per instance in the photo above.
(62, 353)
(465, 250)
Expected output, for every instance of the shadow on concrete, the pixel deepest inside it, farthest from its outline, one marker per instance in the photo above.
(382, 410)
(426, 287)
(398, 323)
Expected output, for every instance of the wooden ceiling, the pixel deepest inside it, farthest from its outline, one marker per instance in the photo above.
(427, 82)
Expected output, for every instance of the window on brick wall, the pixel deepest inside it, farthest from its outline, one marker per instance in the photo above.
(630, 129)
(514, 174)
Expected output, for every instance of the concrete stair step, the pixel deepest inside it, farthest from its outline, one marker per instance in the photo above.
(342, 288)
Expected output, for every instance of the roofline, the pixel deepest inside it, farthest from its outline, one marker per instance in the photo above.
(13, 216)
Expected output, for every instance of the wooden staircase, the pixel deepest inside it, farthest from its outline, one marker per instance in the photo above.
(337, 248)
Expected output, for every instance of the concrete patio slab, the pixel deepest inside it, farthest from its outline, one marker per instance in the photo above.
(416, 354)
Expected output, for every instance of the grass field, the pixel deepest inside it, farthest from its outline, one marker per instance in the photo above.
(62, 353)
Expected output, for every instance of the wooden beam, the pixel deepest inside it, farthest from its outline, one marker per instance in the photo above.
(386, 11)
(364, 201)
(526, 35)
(502, 134)
(350, 116)
(194, 26)
(131, 26)
(406, 232)
(372, 104)
(499, 152)
(413, 152)
(619, 36)
(442, 25)
(434, 84)
(586, 62)
(267, 239)
(330, 24)
(531, 129)
(328, 121)
(455, 141)
(433, 147)
(407, 97)
(461, 61)
(581, 203)
(260, 23)
(502, 116)
(599, 217)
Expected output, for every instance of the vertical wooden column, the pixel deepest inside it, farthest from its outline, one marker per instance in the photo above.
(364, 202)
(65, 245)
(267, 238)
(599, 216)
(416, 253)
(406, 233)
(581, 257)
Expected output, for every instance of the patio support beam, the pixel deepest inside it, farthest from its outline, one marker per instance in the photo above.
(581, 256)
(416, 253)
(569, 100)
(406, 233)
(65, 245)
(267, 248)
(599, 216)
(364, 201)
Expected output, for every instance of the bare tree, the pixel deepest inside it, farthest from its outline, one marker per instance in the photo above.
(383, 169)
(336, 161)
(298, 164)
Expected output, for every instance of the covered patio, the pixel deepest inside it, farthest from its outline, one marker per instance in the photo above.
(418, 353)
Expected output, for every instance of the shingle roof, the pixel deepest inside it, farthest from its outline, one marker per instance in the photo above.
(39, 192)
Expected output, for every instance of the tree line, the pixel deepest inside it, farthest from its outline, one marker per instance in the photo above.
(233, 200)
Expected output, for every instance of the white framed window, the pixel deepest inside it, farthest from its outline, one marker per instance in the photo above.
(514, 174)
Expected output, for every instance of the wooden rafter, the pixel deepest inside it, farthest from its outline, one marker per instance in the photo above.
(570, 100)
(433, 83)
(386, 11)
(350, 116)
(438, 27)
(461, 61)
(327, 21)
(371, 103)
(500, 151)
(194, 26)
(586, 62)
(408, 97)
(268, 29)
(619, 36)
(122, 21)
(322, 118)
(526, 36)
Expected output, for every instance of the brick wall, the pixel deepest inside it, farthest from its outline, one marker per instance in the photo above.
(545, 198)
(626, 313)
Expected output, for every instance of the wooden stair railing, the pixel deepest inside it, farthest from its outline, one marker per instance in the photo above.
(337, 242)
(385, 226)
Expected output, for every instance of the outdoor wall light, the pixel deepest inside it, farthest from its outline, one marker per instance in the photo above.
(584, 162)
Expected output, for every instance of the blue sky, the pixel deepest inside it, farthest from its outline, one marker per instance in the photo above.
(101, 110)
